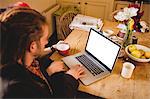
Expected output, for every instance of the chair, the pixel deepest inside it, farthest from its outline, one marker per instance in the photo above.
(64, 21)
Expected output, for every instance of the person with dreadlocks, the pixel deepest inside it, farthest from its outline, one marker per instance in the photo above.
(23, 38)
(24, 34)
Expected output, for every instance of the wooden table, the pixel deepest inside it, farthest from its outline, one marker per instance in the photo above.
(114, 86)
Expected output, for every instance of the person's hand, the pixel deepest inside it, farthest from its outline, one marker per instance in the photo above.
(56, 66)
(77, 71)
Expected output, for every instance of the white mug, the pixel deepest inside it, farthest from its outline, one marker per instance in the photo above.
(127, 69)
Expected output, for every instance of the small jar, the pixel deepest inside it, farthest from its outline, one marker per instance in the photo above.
(121, 33)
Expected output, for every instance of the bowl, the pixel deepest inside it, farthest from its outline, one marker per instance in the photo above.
(144, 48)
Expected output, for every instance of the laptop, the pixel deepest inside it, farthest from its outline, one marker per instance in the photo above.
(98, 59)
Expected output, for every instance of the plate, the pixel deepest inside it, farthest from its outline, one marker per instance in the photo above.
(144, 48)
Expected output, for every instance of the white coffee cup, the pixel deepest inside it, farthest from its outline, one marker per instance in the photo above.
(127, 69)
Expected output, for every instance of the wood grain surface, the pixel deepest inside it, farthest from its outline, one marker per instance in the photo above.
(114, 86)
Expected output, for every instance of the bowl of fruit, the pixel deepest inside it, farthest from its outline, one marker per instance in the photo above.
(138, 53)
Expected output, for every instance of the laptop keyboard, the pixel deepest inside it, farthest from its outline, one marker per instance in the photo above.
(90, 65)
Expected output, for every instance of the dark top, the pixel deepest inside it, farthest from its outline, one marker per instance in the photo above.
(18, 82)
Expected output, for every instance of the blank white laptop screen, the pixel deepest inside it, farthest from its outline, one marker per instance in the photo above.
(102, 48)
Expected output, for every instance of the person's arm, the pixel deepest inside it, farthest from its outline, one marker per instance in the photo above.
(45, 61)
(44, 64)
(63, 85)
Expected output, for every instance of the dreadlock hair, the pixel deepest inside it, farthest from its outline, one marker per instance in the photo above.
(20, 26)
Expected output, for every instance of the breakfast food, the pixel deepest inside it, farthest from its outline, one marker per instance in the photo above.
(132, 48)
(147, 54)
(142, 52)
(138, 53)
(143, 57)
